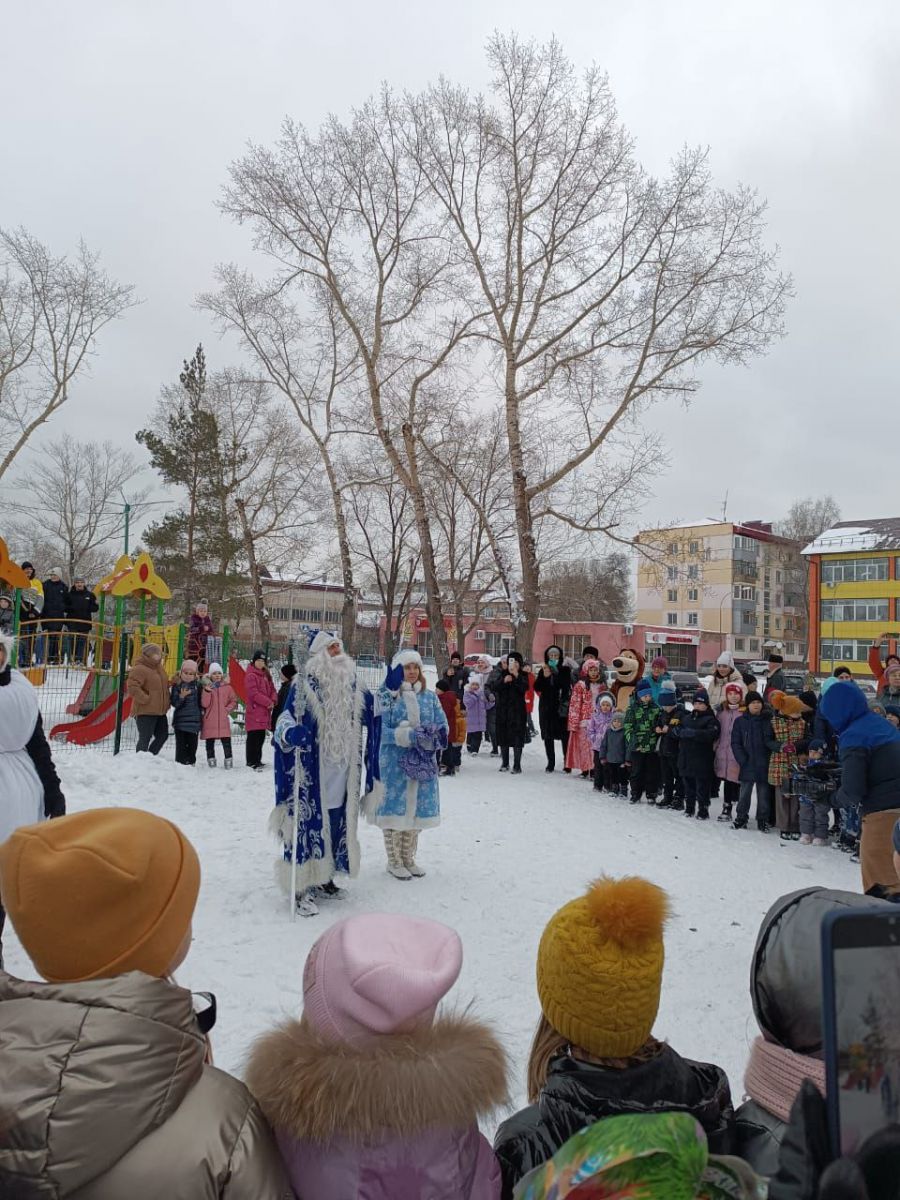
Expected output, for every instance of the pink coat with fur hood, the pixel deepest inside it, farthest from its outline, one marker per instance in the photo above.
(217, 703)
(396, 1118)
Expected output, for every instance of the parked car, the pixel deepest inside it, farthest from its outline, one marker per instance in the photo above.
(707, 667)
(795, 682)
(758, 666)
(686, 683)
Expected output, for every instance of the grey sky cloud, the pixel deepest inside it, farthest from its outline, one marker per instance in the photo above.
(127, 115)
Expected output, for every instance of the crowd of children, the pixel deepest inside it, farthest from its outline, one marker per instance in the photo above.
(370, 1091)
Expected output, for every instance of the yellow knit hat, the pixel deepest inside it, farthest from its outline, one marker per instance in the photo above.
(100, 893)
(599, 966)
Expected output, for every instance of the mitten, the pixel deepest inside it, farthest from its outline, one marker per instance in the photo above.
(394, 678)
(297, 736)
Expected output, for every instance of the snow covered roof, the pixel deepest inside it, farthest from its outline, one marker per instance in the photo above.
(883, 533)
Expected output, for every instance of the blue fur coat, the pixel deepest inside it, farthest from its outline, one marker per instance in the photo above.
(397, 801)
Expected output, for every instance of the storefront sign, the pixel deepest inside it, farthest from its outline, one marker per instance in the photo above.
(672, 639)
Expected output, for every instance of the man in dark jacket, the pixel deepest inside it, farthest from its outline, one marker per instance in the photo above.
(697, 737)
(81, 604)
(553, 684)
(775, 675)
(869, 748)
(753, 743)
(53, 615)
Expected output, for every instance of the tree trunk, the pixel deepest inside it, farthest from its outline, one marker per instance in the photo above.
(429, 566)
(531, 574)
(348, 606)
(262, 617)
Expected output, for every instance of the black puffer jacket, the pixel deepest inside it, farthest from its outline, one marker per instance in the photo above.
(697, 736)
(577, 1094)
(786, 988)
(673, 718)
(80, 604)
(553, 691)
(55, 596)
(512, 715)
(753, 742)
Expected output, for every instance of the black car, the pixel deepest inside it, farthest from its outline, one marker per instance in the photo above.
(687, 684)
(795, 682)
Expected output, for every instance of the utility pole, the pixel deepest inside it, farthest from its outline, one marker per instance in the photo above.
(127, 523)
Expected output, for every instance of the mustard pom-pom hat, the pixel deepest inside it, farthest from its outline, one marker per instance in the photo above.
(599, 966)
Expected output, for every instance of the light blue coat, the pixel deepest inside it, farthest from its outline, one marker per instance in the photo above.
(398, 802)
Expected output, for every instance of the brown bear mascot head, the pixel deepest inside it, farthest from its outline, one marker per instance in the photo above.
(628, 666)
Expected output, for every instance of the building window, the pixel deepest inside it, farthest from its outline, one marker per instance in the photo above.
(844, 651)
(672, 574)
(736, 593)
(745, 543)
(497, 644)
(693, 594)
(693, 572)
(778, 575)
(671, 618)
(739, 643)
(693, 548)
(692, 619)
(748, 593)
(855, 570)
(855, 610)
(673, 548)
(790, 648)
(488, 612)
(672, 595)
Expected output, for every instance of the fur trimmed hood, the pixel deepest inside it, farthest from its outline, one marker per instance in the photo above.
(444, 1076)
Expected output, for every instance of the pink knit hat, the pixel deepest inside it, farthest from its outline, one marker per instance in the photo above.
(378, 973)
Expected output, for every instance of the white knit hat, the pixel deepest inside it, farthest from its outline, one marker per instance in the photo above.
(321, 642)
(403, 657)
(725, 659)
(215, 667)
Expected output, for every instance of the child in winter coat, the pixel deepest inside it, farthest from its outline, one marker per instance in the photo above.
(641, 720)
(6, 616)
(753, 743)
(728, 770)
(450, 758)
(579, 755)
(600, 721)
(789, 728)
(218, 700)
(599, 977)
(671, 714)
(187, 714)
(125, 1104)
(697, 736)
(370, 1093)
(477, 702)
(815, 787)
(614, 755)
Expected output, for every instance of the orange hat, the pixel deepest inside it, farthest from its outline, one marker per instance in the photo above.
(788, 706)
(100, 893)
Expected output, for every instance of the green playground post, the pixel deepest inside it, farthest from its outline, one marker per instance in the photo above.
(17, 609)
(226, 646)
(123, 664)
(180, 655)
(160, 612)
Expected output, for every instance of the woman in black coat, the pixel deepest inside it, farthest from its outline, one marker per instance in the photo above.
(512, 714)
(553, 684)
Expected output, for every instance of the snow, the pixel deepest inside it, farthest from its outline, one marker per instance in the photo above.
(844, 538)
(510, 851)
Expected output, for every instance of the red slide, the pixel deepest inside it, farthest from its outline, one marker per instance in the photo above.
(96, 725)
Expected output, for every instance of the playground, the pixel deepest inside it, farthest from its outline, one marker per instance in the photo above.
(81, 675)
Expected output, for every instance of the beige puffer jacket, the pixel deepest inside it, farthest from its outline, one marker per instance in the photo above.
(718, 685)
(104, 1095)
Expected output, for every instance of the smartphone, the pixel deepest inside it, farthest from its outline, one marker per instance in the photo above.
(861, 1023)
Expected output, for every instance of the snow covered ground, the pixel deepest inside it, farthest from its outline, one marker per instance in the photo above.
(511, 849)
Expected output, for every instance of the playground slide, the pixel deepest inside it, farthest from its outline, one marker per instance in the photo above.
(236, 677)
(96, 725)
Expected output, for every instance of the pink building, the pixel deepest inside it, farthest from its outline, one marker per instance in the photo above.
(685, 649)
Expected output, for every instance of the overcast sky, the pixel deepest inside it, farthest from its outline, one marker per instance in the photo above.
(120, 120)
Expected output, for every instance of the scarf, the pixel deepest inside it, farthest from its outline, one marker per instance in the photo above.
(774, 1076)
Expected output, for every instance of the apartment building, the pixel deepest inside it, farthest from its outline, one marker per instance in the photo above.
(854, 592)
(740, 582)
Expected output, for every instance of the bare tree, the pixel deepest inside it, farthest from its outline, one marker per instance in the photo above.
(384, 544)
(347, 213)
(71, 503)
(312, 366)
(51, 311)
(606, 288)
(806, 519)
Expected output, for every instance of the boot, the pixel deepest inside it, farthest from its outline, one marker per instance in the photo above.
(740, 823)
(409, 844)
(306, 905)
(393, 844)
(210, 762)
(677, 805)
(725, 814)
(703, 812)
(229, 763)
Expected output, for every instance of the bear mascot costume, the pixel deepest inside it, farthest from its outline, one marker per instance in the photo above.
(628, 666)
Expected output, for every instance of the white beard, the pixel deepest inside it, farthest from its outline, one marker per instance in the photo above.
(336, 674)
